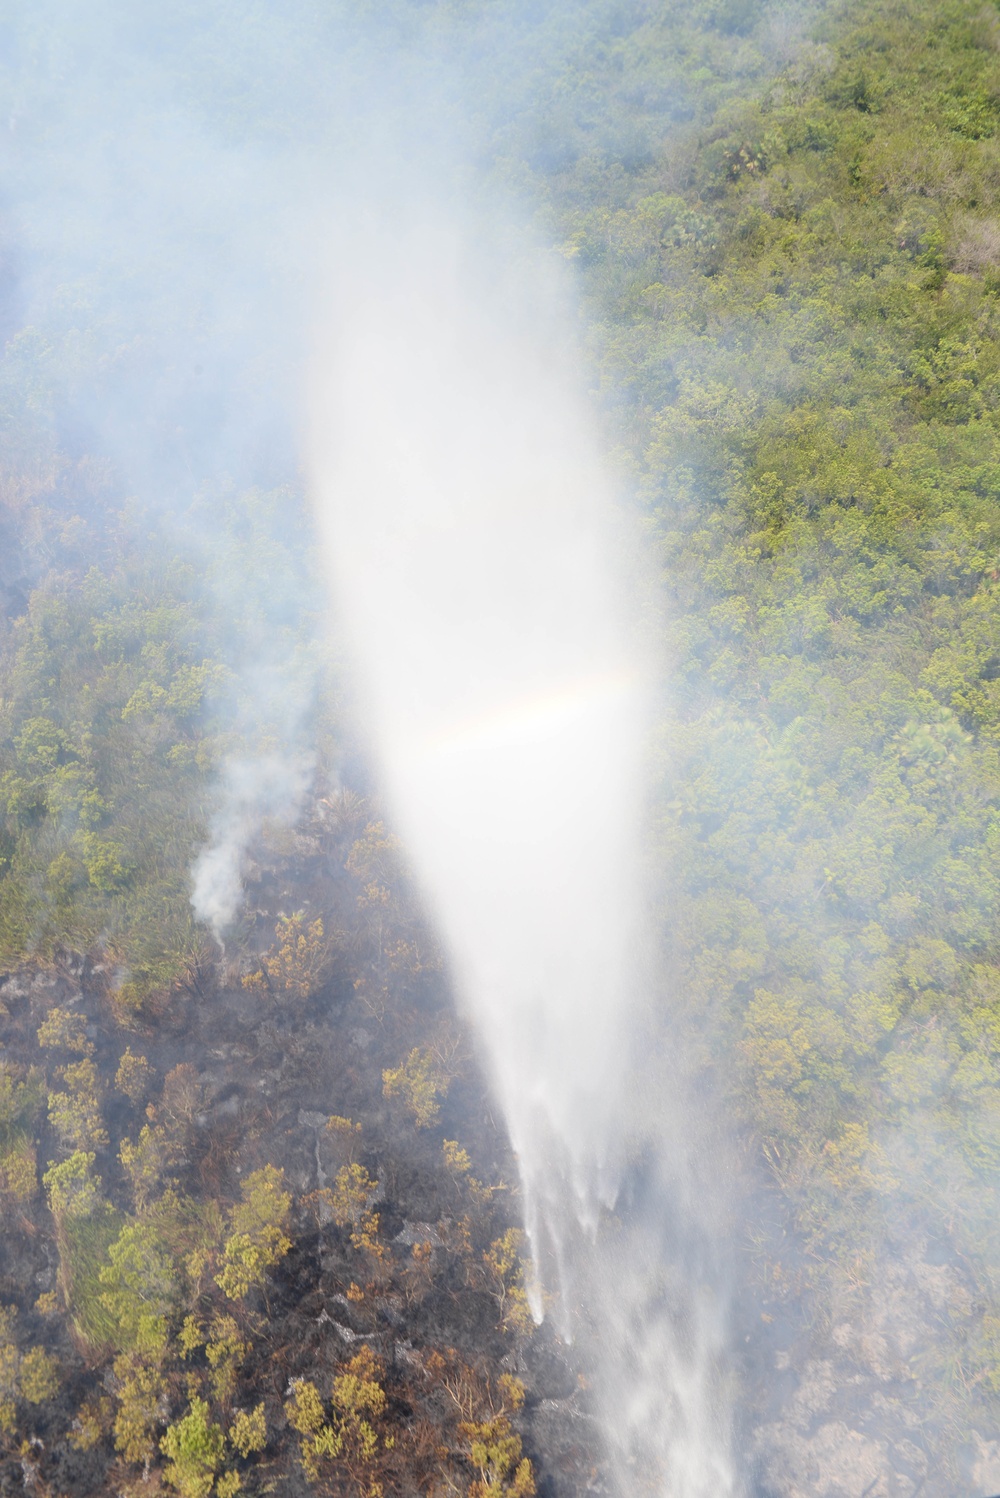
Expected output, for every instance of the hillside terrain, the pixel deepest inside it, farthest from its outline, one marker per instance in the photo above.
(260, 1227)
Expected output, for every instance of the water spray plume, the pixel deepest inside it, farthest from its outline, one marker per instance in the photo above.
(481, 570)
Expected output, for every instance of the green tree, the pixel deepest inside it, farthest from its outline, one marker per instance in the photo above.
(419, 1081)
(258, 1239)
(298, 962)
(248, 1432)
(194, 1448)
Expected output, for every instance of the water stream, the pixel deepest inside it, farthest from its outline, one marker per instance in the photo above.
(480, 566)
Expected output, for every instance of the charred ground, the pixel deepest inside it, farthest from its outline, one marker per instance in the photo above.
(386, 1244)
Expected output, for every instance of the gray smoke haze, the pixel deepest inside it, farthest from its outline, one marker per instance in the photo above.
(174, 175)
(256, 241)
(223, 221)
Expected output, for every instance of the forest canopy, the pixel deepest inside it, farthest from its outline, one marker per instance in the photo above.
(782, 223)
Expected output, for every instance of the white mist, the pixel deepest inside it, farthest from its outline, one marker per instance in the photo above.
(480, 571)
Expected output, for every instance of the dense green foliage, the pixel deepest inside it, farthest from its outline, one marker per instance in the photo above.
(785, 232)
(105, 694)
(798, 298)
(121, 696)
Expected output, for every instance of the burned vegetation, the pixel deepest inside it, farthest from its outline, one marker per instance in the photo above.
(260, 1231)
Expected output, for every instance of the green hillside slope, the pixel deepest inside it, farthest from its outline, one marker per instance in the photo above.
(795, 317)
(786, 228)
